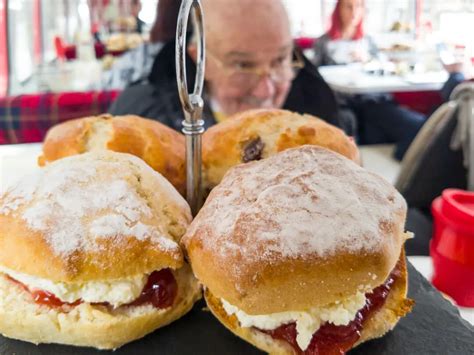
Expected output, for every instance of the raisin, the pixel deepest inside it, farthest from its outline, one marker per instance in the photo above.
(252, 149)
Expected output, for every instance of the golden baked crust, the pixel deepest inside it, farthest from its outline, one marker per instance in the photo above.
(87, 325)
(158, 145)
(264, 133)
(396, 307)
(94, 216)
(384, 320)
(300, 229)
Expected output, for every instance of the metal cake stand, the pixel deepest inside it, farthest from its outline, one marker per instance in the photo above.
(193, 125)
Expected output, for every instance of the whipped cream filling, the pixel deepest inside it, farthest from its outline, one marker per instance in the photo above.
(115, 292)
(307, 323)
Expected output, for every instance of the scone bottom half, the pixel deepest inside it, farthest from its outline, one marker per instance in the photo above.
(302, 252)
(90, 255)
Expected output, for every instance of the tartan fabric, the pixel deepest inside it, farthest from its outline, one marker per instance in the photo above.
(27, 118)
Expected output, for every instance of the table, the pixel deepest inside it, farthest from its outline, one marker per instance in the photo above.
(424, 265)
(352, 79)
(17, 160)
(378, 158)
(76, 75)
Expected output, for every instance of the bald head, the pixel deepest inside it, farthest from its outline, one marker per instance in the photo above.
(249, 51)
(245, 21)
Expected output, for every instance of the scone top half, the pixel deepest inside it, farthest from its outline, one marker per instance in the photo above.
(275, 231)
(99, 219)
(257, 134)
(158, 145)
(306, 230)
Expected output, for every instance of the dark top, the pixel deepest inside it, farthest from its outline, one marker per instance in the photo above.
(140, 25)
(158, 97)
(324, 56)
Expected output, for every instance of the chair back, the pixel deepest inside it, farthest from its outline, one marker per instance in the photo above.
(442, 154)
(463, 137)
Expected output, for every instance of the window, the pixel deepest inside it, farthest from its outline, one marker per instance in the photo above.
(53, 24)
(3, 49)
(305, 17)
(20, 41)
(450, 21)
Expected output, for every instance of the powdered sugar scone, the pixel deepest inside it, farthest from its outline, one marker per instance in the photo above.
(158, 145)
(89, 253)
(302, 252)
(258, 134)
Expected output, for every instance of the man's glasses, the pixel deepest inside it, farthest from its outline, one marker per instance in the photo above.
(247, 75)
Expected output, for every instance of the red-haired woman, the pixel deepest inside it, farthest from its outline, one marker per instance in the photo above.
(378, 118)
(345, 41)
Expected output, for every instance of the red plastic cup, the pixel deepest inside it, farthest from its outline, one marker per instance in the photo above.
(452, 245)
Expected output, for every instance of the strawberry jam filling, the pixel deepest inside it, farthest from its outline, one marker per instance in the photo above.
(160, 291)
(48, 299)
(333, 339)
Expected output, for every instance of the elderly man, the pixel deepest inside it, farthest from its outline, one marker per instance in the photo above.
(251, 63)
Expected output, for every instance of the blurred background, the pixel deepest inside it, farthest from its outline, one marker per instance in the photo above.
(38, 38)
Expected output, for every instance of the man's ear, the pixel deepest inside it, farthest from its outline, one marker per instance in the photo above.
(192, 51)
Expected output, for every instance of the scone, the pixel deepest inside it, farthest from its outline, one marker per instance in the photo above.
(258, 134)
(158, 145)
(302, 252)
(90, 255)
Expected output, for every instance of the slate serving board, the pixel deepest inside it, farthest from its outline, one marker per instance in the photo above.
(434, 327)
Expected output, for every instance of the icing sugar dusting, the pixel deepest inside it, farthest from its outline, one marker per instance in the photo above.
(20, 194)
(77, 203)
(304, 201)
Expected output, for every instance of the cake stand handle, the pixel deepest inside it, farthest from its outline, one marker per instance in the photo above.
(193, 124)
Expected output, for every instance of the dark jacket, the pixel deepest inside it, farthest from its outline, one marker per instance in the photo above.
(159, 99)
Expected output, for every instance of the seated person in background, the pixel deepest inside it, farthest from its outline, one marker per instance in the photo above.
(250, 63)
(135, 65)
(379, 118)
(459, 71)
(345, 42)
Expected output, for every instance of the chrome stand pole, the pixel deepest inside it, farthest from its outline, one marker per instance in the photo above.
(193, 125)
